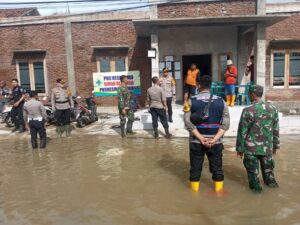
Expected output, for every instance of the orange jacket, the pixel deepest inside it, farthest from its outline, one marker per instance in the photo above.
(192, 76)
(231, 75)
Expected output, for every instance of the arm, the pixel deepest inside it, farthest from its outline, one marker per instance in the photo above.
(276, 141)
(242, 133)
(164, 100)
(173, 83)
(71, 101)
(20, 100)
(192, 128)
(53, 100)
(25, 114)
(121, 99)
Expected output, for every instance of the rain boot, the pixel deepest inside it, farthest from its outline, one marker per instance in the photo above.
(195, 186)
(68, 130)
(232, 100)
(168, 135)
(43, 143)
(170, 118)
(34, 144)
(59, 131)
(219, 185)
(228, 100)
(186, 107)
(129, 127)
(155, 133)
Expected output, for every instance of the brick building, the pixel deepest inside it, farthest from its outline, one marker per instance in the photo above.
(37, 49)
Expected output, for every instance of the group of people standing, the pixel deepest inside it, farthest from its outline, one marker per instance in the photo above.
(28, 113)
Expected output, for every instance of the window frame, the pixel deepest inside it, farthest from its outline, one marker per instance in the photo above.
(112, 60)
(286, 69)
(31, 74)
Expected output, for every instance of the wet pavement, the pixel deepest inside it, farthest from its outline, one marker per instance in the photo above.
(93, 179)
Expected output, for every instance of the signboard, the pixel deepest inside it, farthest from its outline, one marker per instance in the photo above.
(106, 84)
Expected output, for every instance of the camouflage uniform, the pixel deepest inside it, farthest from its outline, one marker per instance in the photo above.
(258, 137)
(124, 96)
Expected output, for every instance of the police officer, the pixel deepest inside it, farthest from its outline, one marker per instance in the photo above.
(258, 139)
(158, 107)
(62, 102)
(35, 117)
(18, 98)
(167, 83)
(206, 135)
(124, 96)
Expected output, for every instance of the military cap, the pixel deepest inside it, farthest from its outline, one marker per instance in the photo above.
(256, 89)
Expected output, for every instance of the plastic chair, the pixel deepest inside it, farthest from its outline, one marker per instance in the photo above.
(243, 95)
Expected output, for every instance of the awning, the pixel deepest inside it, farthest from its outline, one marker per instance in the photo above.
(28, 50)
(145, 26)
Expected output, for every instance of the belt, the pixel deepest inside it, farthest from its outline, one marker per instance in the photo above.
(36, 119)
(62, 102)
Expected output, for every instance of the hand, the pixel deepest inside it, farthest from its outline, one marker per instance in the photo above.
(124, 111)
(211, 142)
(166, 108)
(16, 104)
(240, 154)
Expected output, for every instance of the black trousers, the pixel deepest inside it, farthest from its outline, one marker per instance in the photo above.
(169, 104)
(63, 117)
(161, 114)
(214, 155)
(17, 116)
(37, 127)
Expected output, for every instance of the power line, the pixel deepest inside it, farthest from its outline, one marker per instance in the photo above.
(59, 2)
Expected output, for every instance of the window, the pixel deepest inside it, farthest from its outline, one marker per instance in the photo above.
(112, 64)
(32, 75)
(286, 68)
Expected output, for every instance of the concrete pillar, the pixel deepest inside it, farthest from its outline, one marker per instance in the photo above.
(260, 54)
(155, 61)
(242, 56)
(260, 7)
(69, 56)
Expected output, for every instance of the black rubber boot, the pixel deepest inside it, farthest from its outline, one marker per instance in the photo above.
(170, 118)
(22, 129)
(123, 131)
(129, 127)
(43, 143)
(168, 135)
(15, 129)
(155, 133)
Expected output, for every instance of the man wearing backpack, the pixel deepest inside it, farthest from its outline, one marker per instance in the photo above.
(207, 120)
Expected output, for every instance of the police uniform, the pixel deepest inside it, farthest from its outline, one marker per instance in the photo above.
(35, 115)
(124, 97)
(17, 112)
(258, 137)
(168, 85)
(218, 119)
(62, 103)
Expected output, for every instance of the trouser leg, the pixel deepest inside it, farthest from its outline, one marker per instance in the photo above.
(154, 116)
(33, 133)
(214, 156)
(267, 169)
(252, 166)
(163, 117)
(67, 121)
(122, 124)
(130, 116)
(170, 111)
(20, 119)
(197, 153)
(42, 134)
(14, 117)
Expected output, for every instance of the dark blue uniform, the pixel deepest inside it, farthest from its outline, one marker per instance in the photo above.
(17, 112)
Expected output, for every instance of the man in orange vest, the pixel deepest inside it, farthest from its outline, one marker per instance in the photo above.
(230, 82)
(190, 83)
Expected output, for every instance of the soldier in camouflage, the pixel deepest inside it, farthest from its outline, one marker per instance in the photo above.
(124, 96)
(258, 139)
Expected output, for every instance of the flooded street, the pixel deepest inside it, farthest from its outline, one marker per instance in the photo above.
(86, 180)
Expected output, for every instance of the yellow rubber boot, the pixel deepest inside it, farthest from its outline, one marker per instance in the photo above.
(186, 107)
(228, 100)
(219, 185)
(195, 186)
(232, 100)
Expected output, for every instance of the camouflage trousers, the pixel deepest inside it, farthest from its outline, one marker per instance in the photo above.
(130, 116)
(266, 163)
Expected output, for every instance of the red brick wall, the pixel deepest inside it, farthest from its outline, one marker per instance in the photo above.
(286, 29)
(49, 37)
(111, 33)
(210, 9)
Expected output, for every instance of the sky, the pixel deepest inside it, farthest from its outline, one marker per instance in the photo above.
(63, 8)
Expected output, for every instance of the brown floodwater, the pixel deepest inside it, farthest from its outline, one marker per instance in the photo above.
(86, 180)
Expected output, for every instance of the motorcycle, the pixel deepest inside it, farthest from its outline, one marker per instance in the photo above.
(5, 116)
(88, 113)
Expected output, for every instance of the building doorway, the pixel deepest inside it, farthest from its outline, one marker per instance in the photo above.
(203, 62)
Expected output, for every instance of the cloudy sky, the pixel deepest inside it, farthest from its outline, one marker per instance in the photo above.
(47, 8)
